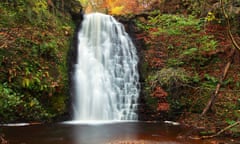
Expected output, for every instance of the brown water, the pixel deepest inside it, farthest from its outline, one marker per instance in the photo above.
(111, 133)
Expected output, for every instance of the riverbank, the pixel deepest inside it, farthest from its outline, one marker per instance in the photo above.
(182, 61)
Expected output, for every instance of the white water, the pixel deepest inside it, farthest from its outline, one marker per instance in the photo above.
(106, 76)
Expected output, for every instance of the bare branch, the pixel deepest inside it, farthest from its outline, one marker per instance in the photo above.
(221, 131)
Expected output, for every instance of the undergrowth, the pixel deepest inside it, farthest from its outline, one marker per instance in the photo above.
(33, 55)
(185, 56)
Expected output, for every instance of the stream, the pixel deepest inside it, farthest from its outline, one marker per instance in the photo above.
(102, 133)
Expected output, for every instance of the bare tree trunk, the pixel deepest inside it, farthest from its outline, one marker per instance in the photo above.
(213, 97)
(236, 47)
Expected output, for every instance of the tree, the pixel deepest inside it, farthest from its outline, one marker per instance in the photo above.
(117, 7)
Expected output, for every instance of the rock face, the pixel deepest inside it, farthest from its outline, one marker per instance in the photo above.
(76, 11)
(77, 17)
(66, 7)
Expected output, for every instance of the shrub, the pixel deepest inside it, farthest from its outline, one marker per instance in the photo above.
(16, 107)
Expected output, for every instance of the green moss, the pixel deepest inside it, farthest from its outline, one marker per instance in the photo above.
(59, 104)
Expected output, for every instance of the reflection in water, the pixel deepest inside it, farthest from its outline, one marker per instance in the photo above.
(105, 133)
(111, 133)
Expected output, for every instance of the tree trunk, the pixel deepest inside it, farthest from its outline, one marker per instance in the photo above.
(213, 97)
(236, 47)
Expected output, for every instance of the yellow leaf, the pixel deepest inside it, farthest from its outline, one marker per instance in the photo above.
(31, 103)
(117, 10)
(25, 82)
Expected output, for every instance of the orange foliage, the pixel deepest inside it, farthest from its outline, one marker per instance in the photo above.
(114, 7)
(162, 101)
(159, 93)
(163, 107)
(117, 7)
(154, 57)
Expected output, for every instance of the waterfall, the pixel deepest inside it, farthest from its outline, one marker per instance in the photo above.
(106, 79)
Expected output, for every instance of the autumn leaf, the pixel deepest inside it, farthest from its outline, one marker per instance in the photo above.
(25, 82)
(117, 10)
(31, 103)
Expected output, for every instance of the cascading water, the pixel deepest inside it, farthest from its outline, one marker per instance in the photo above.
(105, 77)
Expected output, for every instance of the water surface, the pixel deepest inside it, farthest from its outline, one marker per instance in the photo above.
(106, 133)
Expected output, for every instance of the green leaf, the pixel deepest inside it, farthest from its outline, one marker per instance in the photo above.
(190, 51)
(230, 122)
(25, 82)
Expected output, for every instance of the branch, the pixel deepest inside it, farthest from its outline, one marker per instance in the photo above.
(236, 46)
(229, 26)
(221, 131)
(213, 97)
(2, 140)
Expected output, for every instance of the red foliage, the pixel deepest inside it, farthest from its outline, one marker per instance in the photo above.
(162, 101)
(156, 62)
(154, 57)
(220, 34)
(159, 93)
(163, 107)
(140, 36)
